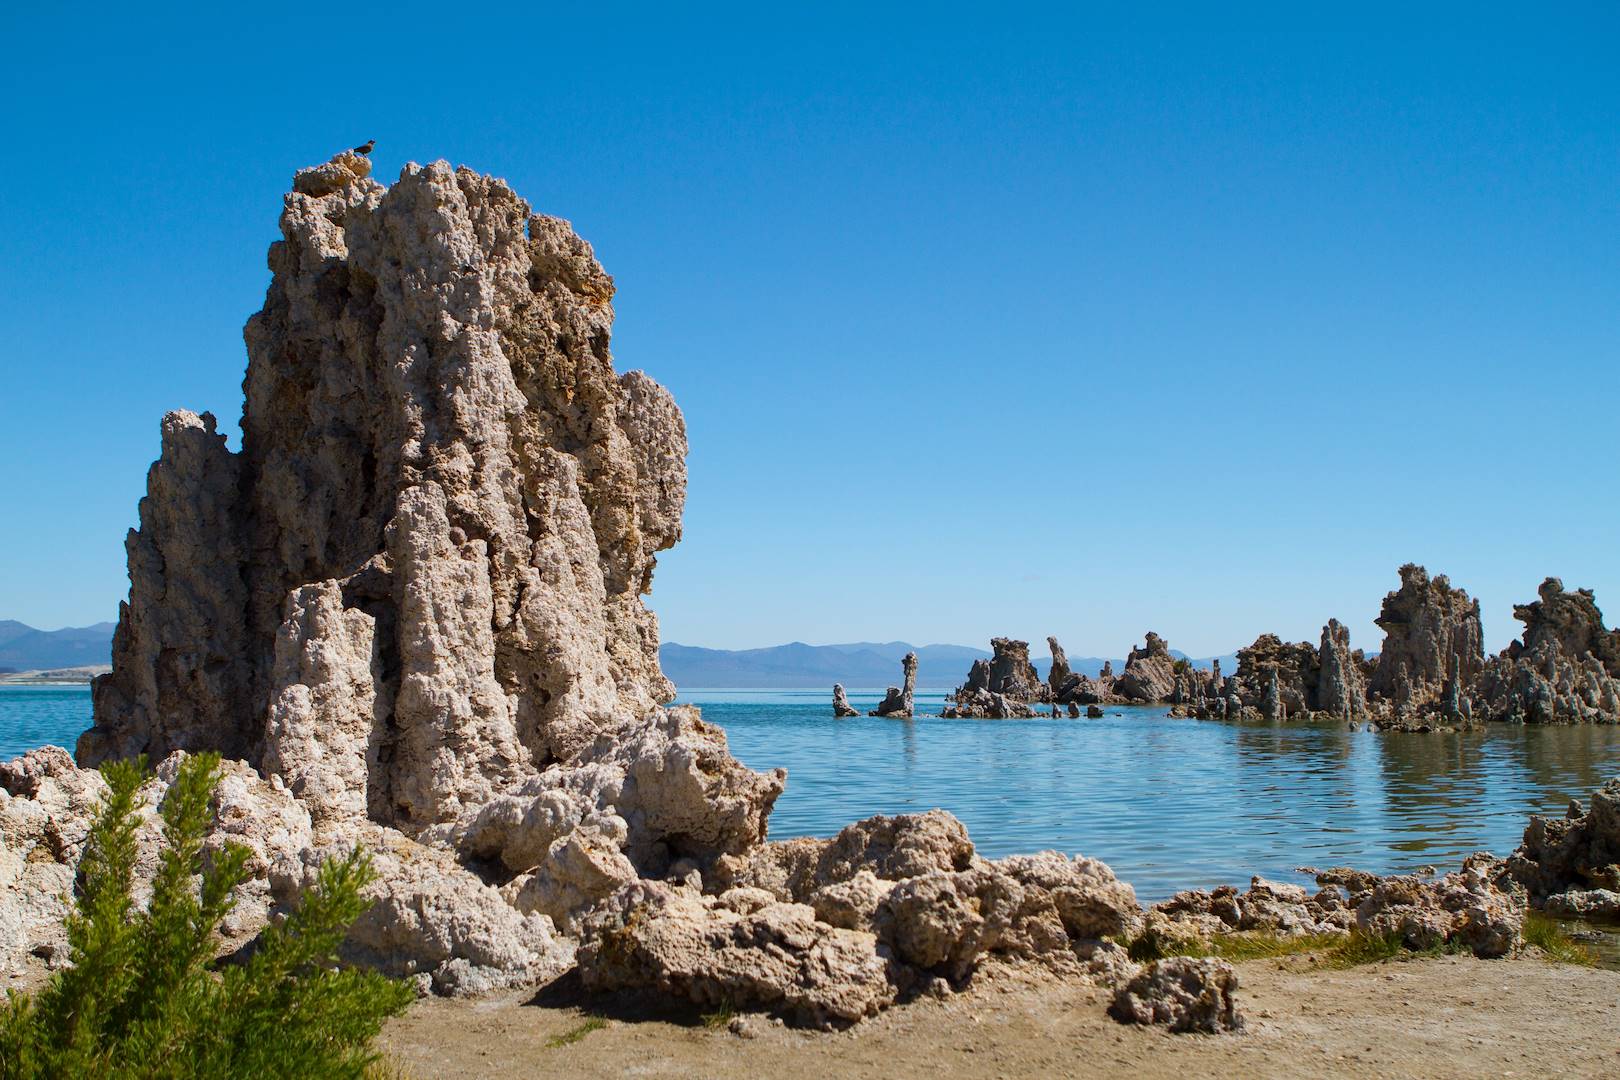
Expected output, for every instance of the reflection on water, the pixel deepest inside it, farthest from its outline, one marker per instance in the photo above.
(1168, 803)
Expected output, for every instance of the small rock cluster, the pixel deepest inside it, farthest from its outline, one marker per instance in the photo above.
(1470, 908)
(829, 931)
(1571, 865)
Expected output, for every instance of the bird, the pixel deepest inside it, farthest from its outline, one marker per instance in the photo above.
(366, 147)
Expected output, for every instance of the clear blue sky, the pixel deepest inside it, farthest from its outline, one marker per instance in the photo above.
(984, 320)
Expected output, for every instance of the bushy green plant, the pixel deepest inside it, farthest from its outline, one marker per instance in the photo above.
(143, 998)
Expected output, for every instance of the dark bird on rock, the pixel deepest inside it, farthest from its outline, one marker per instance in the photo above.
(366, 149)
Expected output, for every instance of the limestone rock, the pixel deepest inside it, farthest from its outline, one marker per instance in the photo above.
(412, 601)
(1566, 669)
(319, 738)
(1469, 907)
(1572, 856)
(1003, 687)
(1340, 689)
(433, 431)
(1059, 674)
(666, 787)
(1431, 634)
(1184, 994)
(892, 848)
(47, 806)
(1293, 668)
(778, 958)
(1150, 673)
(899, 701)
(841, 705)
(433, 920)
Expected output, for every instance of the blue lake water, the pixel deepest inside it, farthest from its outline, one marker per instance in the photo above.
(1167, 803)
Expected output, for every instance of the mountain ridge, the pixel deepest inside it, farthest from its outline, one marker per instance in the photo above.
(795, 664)
(859, 664)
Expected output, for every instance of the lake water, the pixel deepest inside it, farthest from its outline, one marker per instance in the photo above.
(1168, 803)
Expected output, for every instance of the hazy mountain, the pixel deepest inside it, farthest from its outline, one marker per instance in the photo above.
(22, 648)
(863, 664)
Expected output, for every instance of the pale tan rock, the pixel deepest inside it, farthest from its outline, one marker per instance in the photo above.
(320, 738)
(579, 871)
(1182, 993)
(778, 958)
(433, 920)
(432, 423)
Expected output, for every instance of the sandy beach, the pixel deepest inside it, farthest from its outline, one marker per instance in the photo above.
(1443, 1017)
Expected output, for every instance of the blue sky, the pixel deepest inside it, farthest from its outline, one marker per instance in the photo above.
(988, 321)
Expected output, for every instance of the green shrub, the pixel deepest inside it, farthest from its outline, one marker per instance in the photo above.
(142, 997)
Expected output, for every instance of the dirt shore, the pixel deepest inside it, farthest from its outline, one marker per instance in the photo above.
(1444, 1017)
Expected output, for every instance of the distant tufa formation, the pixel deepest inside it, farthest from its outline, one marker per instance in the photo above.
(1430, 674)
(899, 702)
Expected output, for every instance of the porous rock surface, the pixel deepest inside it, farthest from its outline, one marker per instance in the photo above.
(435, 440)
(1149, 676)
(1003, 687)
(841, 705)
(1571, 865)
(889, 908)
(1474, 907)
(1182, 993)
(1564, 670)
(899, 701)
(1433, 643)
(408, 611)
(408, 614)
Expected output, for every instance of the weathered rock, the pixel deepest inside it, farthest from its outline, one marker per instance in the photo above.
(46, 809)
(1572, 856)
(779, 957)
(412, 601)
(841, 705)
(1467, 907)
(1059, 674)
(1292, 666)
(899, 701)
(1002, 687)
(1094, 711)
(986, 705)
(1431, 634)
(892, 848)
(1340, 689)
(433, 920)
(1150, 673)
(434, 431)
(1182, 993)
(47, 806)
(1566, 670)
(667, 787)
(1463, 906)
(321, 736)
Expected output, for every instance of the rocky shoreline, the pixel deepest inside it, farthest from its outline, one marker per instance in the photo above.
(1431, 673)
(408, 613)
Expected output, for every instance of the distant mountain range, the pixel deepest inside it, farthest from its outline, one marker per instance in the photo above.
(863, 664)
(858, 664)
(22, 648)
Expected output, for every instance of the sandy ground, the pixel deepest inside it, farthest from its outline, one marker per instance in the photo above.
(1445, 1017)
